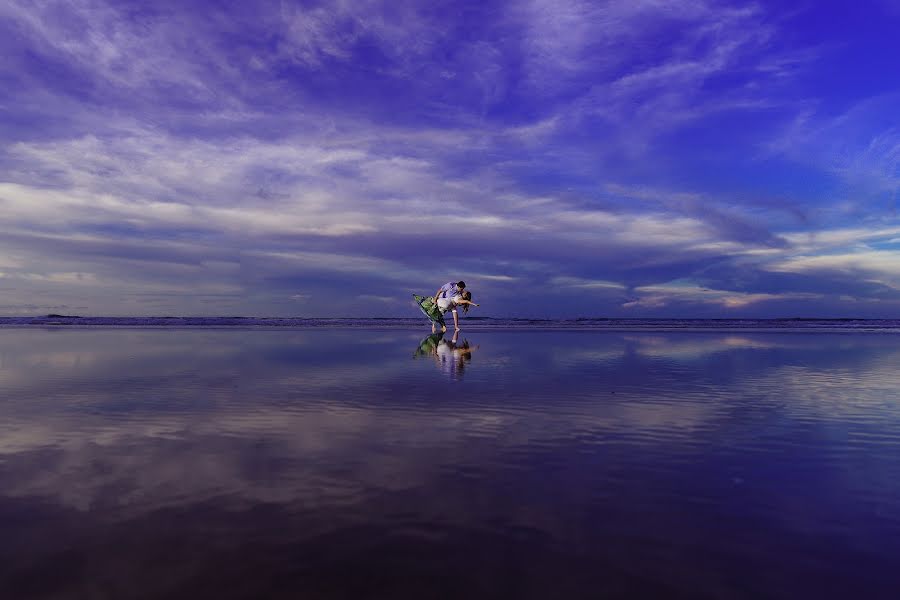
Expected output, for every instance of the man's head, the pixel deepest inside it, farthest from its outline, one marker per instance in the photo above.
(460, 285)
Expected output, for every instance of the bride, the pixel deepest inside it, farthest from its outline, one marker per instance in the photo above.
(450, 304)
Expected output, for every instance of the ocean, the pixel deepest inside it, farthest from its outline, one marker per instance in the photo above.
(470, 323)
(301, 458)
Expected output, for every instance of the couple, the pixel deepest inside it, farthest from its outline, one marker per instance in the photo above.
(447, 298)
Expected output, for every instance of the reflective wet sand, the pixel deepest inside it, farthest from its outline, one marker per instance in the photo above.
(379, 463)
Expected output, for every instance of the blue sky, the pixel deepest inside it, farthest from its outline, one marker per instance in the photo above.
(564, 158)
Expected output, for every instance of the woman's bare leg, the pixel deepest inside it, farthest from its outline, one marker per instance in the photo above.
(455, 321)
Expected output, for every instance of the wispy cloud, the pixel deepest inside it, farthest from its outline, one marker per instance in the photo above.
(882, 262)
(243, 153)
(679, 294)
(860, 145)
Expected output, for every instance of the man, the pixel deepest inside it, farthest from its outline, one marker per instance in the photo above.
(449, 290)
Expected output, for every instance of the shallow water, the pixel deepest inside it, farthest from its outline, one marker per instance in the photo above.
(326, 462)
(470, 323)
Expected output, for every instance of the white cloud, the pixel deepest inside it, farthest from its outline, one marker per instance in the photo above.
(486, 277)
(860, 145)
(317, 34)
(250, 178)
(640, 98)
(687, 294)
(588, 284)
(875, 262)
(299, 262)
(384, 299)
(124, 51)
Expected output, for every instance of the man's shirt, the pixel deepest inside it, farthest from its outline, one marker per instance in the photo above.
(448, 290)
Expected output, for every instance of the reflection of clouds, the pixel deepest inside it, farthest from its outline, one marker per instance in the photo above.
(690, 347)
(588, 355)
(834, 391)
(30, 356)
(269, 453)
(683, 346)
(324, 427)
(328, 454)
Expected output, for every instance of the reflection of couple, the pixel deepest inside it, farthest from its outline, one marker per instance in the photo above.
(448, 298)
(451, 355)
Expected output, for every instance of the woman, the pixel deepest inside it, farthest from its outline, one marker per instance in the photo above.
(449, 304)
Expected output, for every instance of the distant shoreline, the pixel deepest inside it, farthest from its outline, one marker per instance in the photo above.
(479, 318)
(470, 324)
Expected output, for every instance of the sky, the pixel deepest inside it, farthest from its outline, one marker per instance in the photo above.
(618, 158)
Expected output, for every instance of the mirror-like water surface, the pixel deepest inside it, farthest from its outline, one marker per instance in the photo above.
(380, 463)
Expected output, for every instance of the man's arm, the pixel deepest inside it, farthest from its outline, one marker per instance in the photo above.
(437, 294)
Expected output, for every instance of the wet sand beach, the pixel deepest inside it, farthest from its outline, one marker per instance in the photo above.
(352, 462)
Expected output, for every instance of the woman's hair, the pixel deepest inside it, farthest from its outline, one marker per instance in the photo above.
(467, 295)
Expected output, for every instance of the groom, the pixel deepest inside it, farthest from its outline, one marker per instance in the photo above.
(449, 289)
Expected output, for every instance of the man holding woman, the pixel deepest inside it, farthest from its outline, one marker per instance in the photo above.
(448, 297)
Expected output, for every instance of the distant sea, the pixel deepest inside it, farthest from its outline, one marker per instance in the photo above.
(469, 324)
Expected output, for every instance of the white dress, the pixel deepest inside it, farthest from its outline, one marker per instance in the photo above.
(445, 304)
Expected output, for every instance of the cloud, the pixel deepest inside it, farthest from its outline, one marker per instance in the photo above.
(635, 95)
(683, 293)
(485, 277)
(374, 298)
(735, 224)
(874, 263)
(829, 239)
(861, 145)
(111, 49)
(589, 284)
(337, 32)
(230, 151)
(311, 190)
